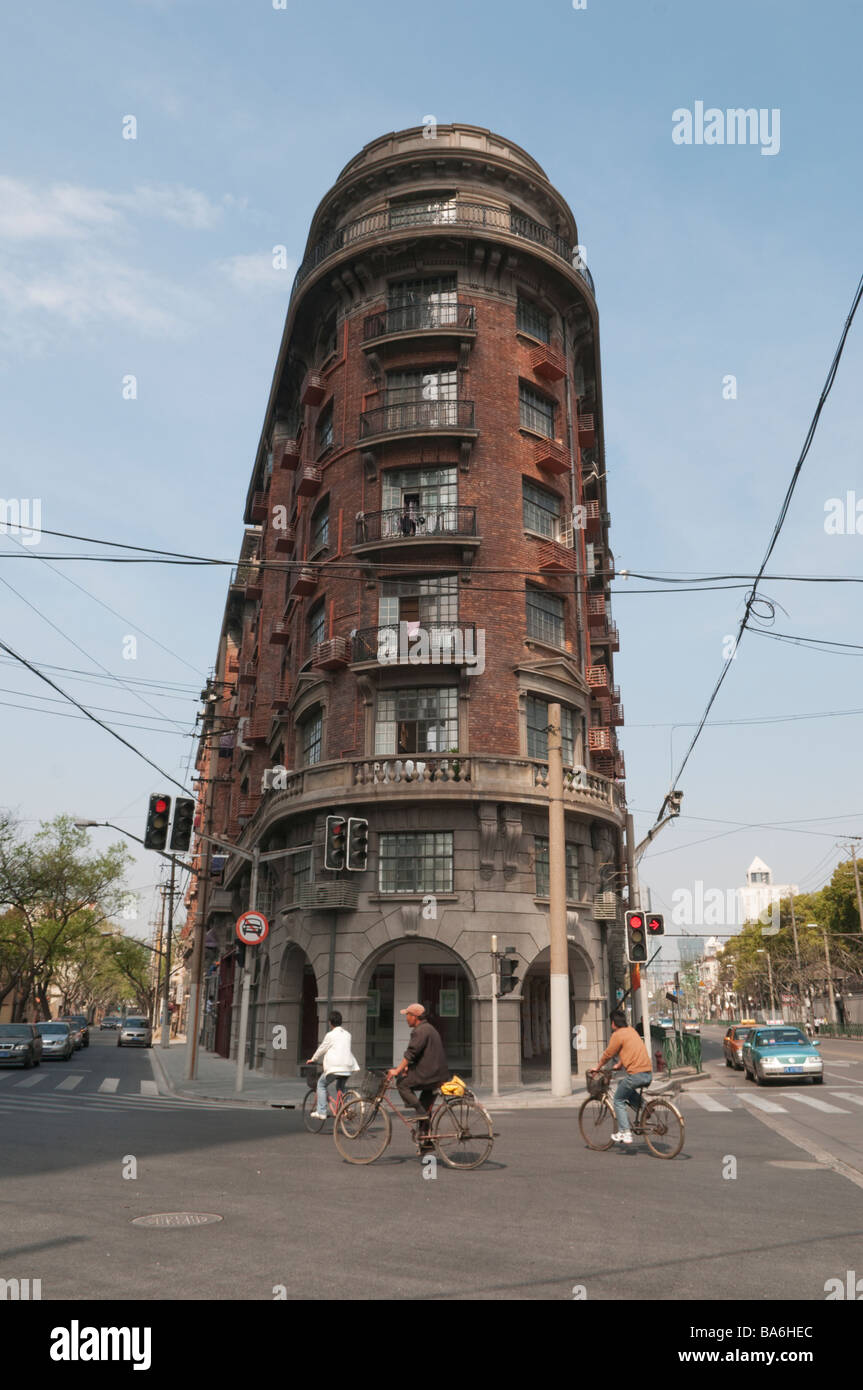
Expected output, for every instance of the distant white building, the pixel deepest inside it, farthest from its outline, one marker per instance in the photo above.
(761, 891)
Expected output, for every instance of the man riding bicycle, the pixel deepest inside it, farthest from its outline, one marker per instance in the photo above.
(423, 1067)
(634, 1059)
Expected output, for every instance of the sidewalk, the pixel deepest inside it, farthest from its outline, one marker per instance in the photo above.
(216, 1080)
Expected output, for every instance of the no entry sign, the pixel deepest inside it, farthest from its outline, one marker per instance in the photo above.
(252, 928)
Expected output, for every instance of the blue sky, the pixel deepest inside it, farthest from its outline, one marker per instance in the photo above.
(152, 257)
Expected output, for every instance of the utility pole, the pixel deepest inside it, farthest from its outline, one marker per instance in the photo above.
(157, 992)
(494, 986)
(832, 1001)
(856, 879)
(634, 901)
(561, 1056)
(166, 1007)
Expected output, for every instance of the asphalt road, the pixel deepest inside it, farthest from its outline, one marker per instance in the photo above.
(545, 1218)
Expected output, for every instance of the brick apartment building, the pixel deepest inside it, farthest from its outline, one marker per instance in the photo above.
(425, 567)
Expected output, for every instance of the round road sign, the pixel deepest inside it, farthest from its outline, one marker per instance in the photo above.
(252, 928)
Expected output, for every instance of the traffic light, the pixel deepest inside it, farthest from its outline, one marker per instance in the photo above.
(508, 977)
(334, 847)
(636, 942)
(184, 814)
(158, 816)
(655, 924)
(358, 843)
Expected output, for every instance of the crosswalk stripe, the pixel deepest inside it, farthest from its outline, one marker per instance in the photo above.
(846, 1095)
(816, 1104)
(110, 1084)
(70, 1083)
(149, 1088)
(32, 1080)
(761, 1104)
(707, 1102)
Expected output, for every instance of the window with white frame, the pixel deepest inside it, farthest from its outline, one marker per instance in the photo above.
(420, 719)
(416, 863)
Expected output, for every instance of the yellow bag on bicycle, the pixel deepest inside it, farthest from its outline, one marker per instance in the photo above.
(455, 1087)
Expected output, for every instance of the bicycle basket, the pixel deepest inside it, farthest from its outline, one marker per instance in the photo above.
(310, 1075)
(597, 1085)
(365, 1083)
(454, 1087)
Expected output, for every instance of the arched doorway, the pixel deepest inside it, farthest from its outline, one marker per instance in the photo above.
(418, 971)
(536, 1016)
(293, 1010)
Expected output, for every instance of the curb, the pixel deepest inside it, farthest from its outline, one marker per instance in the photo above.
(167, 1086)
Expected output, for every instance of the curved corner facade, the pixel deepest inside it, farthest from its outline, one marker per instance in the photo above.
(424, 569)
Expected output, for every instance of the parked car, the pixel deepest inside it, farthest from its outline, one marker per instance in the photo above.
(732, 1044)
(21, 1043)
(691, 1025)
(772, 1053)
(135, 1032)
(79, 1025)
(110, 1021)
(56, 1040)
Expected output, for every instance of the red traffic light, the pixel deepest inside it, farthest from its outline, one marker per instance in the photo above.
(635, 921)
(656, 924)
(160, 805)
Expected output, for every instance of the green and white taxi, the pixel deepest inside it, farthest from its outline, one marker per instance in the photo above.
(775, 1053)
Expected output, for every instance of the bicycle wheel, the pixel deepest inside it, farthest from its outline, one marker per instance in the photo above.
(596, 1122)
(362, 1131)
(663, 1127)
(348, 1098)
(310, 1103)
(462, 1133)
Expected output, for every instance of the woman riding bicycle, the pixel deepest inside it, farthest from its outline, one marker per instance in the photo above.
(635, 1061)
(336, 1058)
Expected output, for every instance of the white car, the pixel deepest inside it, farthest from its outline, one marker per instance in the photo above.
(135, 1032)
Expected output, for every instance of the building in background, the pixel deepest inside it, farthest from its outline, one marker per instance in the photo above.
(425, 569)
(760, 891)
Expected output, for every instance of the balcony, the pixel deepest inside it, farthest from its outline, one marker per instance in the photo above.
(555, 558)
(420, 320)
(547, 363)
(417, 417)
(289, 457)
(247, 806)
(596, 613)
(283, 694)
(248, 673)
(434, 526)
(586, 432)
(597, 679)
(593, 519)
(280, 634)
(606, 635)
(304, 582)
(332, 654)
(310, 481)
(551, 456)
(314, 389)
(286, 538)
(600, 740)
(258, 509)
(410, 644)
(472, 217)
(259, 728)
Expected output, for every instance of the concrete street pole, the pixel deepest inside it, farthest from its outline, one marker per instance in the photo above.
(246, 977)
(166, 1010)
(634, 902)
(494, 1065)
(196, 987)
(561, 1057)
(833, 1015)
(857, 881)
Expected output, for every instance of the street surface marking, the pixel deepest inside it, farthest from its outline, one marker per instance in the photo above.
(149, 1088)
(110, 1084)
(707, 1102)
(6, 1075)
(70, 1083)
(846, 1095)
(761, 1104)
(817, 1104)
(31, 1080)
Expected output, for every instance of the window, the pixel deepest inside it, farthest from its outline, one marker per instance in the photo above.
(416, 720)
(320, 528)
(536, 412)
(435, 384)
(427, 602)
(419, 863)
(317, 628)
(537, 723)
(427, 303)
(418, 210)
(325, 428)
(541, 510)
(329, 338)
(419, 501)
(311, 732)
(531, 319)
(545, 617)
(540, 860)
(302, 870)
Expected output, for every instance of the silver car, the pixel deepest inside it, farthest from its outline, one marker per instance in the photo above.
(57, 1040)
(135, 1032)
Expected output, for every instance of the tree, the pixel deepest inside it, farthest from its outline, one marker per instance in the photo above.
(56, 898)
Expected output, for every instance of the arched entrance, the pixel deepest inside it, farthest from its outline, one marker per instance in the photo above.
(418, 971)
(293, 1007)
(536, 1016)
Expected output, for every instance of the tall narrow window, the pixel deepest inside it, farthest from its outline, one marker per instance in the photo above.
(536, 412)
(430, 303)
(325, 428)
(531, 319)
(320, 534)
(541, 510)
(416, 720)
(317, 628)
(545, 617)
(541, 868)
(537, 727)
(311, 737)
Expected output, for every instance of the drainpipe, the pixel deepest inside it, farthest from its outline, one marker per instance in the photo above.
(573, 502)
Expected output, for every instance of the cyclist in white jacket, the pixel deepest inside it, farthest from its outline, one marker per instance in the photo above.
(336, 1058)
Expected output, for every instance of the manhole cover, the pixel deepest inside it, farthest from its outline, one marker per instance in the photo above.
(177, 1218)
(792, 1163)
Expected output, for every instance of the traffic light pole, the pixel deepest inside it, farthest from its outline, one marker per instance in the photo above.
(166, 1002)
(635, 902)
(494, 987)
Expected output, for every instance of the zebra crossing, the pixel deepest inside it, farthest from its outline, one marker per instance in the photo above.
(740, 1100)
(42, 1091)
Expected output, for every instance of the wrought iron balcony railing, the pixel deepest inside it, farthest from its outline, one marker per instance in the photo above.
(475, 216)
(430, 523)
(413, 415)
(414, 318)
(417, 644)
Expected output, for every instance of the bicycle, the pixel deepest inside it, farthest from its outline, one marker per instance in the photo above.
(459, 1130)
(310, 1101)
(657, 1120)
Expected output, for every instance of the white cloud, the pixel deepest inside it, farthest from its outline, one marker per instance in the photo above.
(68, 212)
(256, 272)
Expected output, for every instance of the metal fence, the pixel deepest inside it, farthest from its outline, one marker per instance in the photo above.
(678, 1049)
